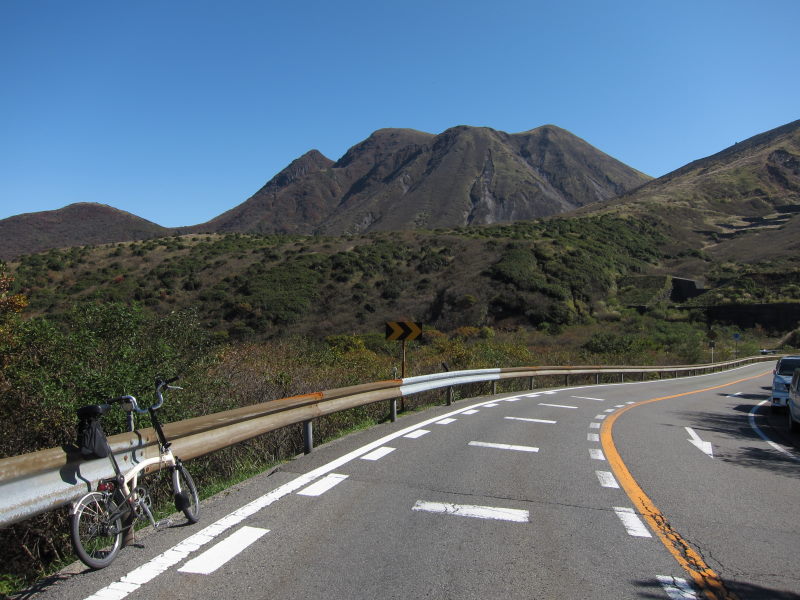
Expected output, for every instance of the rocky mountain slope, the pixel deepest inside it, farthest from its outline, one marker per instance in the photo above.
(405, 179)
(741, 204)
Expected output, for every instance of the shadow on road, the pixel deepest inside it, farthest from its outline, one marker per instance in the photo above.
(736, 423)
(653, 589)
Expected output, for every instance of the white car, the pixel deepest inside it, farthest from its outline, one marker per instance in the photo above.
(793, 403)
(782, 378)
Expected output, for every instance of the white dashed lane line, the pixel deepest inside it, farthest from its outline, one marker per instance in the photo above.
(607, 479)
(216, 556)
(557, 405)
(547, 421)
(476, 512)
(596, 454)
(633, 524)
(416, 434)
(677, 588)
(323, 485)
(378, 454)
(504, 446)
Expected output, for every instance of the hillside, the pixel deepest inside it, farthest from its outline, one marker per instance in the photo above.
(77, 224)
(404, 179)
(543, 274)
(739, 205)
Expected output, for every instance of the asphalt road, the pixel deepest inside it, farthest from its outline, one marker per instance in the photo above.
(562, 493)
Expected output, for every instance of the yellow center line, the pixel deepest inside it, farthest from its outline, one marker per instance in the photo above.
(706, 579)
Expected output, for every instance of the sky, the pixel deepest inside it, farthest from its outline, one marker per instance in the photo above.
(178, 110)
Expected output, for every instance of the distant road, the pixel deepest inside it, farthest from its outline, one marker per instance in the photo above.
(511, 496)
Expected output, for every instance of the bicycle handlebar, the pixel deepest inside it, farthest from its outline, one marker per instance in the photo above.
(161, 384)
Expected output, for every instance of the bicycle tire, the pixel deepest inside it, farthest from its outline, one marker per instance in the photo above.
(95, 538)
(186, 498)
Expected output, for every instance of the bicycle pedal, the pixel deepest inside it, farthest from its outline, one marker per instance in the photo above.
(163, 523)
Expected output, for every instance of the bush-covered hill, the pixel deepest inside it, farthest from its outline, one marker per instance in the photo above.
(548, 273)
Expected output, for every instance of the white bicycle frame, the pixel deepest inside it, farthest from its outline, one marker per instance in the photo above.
(130, 480)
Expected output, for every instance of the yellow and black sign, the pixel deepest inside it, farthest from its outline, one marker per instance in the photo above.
(403, 330)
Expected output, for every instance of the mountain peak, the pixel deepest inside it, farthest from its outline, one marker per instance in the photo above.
(80, 223)
(405, 179)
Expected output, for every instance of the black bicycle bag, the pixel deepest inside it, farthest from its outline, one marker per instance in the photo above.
(92, 440)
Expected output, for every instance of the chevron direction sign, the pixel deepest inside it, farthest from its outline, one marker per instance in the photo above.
(402, 330)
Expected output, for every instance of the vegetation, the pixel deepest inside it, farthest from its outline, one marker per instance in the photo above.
(249, 318)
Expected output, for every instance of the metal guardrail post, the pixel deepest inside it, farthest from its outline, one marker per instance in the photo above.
(308, 437)
(393, 409)
(494, 388)
(531, 383)
(450, 395)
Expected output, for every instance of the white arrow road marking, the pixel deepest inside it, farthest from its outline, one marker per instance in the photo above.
(703, 446)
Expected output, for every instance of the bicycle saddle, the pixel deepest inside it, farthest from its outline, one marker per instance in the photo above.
(93, 410)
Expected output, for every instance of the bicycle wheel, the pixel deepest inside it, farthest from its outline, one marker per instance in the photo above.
(96, 539)
(186, 498)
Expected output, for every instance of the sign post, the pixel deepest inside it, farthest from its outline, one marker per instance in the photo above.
(402, 331)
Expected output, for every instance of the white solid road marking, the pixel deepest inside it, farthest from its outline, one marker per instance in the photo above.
(596, 454)
(589, 398)
(531, 420)
(633, 524)
(593, 437)
(477, 512)
(378, 454)
(216, 556)
(504, 446)
(445, 421)
(416, 434)
(557, 405)
(323, 485)
(607, 479)
(677, 588)
(752, 418)
(473, 411)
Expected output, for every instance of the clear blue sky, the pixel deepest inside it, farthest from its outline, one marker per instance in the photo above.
(178, 110)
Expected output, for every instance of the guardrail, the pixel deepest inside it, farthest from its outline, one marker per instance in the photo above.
(48, 479)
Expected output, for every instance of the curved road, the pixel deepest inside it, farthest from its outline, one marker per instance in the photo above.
(658, 489)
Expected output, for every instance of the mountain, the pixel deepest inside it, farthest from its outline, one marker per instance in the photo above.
(741, 204)
(405, 179)
(74, 225)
